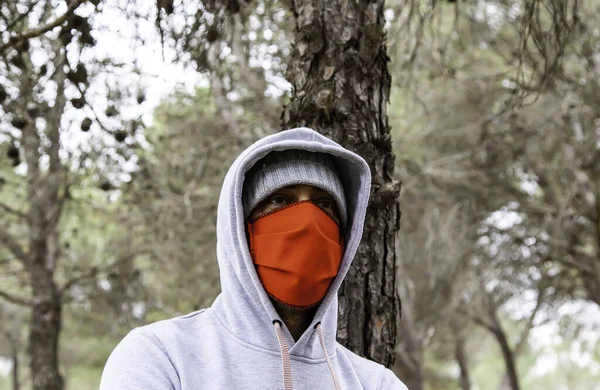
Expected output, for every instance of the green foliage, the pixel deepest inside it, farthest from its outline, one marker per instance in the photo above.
(488, 128)
(179, 181)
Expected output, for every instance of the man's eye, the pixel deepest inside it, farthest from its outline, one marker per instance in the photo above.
(325, 204)
(278, 201)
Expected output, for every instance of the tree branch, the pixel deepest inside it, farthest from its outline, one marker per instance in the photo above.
(55, 115)
(91, 274)
(12, 211)
(23, 15)
(45, 28)
(219, 91)
(479, 321)
(11, 243)
(14, 299)
(94, 272)
(404, 359)
(529, 325)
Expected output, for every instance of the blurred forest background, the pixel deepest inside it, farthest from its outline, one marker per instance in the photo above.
(119, 119)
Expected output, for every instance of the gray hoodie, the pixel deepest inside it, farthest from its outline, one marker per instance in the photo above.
(234, 344)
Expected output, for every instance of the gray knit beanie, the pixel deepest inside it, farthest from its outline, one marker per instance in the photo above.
(292, 167)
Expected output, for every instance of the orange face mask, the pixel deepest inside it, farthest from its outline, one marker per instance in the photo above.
(297, 252)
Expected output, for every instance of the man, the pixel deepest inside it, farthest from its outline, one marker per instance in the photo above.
(290, 219)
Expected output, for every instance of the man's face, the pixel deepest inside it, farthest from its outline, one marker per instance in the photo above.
(297, 193)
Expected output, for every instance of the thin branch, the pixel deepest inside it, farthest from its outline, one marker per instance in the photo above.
(94, 272)
(23, 15)
(96, 116)
(45, 28)
(479, 321)
(11, 243)
(219, 91)
(6, 260)
(91, 274)
(524, 336)
(406, 360)
(12, 211)
(14, 299)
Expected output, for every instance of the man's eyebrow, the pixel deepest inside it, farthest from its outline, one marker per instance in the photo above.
(321, 191)
(283, 189)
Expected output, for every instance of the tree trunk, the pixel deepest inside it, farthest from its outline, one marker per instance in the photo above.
(16, 384)
(591, 276)
(592, 283)
(509, 359)
(46, 310)
(340, 87)
(592, 286)
(493, 325)
(523, 338)
(409, 352)
(409, 363)
(45, 205)
(461, 359)
(44, 334)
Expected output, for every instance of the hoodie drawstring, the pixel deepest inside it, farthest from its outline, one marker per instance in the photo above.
(287, 364)
(285, 357)
(336, 383)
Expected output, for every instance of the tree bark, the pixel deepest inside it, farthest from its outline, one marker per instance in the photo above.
(509, 359)
(409, 352)
(496, 330)
(523, 338)
(45, 205)
(592, 286)
(461, 359)
(44, 333)
(340, 87)
(14, 350)
(16, 385)
(492, 324)
(591, 280)
(45, 322)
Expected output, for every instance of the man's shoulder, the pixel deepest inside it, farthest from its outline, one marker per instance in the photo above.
(359, 361)
(364, 368)
(144, 358)
(166, 335)
(176, 325)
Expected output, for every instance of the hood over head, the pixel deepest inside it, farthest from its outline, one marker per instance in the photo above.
(243, 306)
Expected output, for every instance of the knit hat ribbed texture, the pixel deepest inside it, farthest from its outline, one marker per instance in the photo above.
(292, 167)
